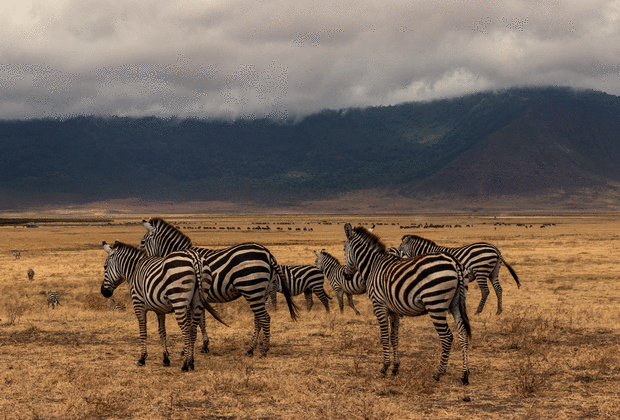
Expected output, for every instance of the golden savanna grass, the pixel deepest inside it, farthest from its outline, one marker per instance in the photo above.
(553, 353)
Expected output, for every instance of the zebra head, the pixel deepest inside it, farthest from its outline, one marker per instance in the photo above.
(350, 263)
(319, 262)
(161, 238)
(113, 275)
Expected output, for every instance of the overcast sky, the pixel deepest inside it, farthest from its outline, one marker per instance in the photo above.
(60, 58)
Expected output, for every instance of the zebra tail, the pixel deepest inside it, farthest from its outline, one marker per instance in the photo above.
(462, 291)
(203, 271)
(286, 291)
(514, 274)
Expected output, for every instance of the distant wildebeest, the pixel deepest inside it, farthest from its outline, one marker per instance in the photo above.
(30, 274)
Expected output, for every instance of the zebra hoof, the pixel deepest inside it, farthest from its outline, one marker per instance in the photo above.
(436, 377)
(465, 378)
(140, 363)
(250, 352)
(499, 311)
(204, 350)
(166, 362)
(395, 370)
(384, 370)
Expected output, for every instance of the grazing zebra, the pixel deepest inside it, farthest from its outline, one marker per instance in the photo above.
(246, 270)
(30, 273)
(430, 284)
(114, 306)
(162, 285)
(482, 259)
(335, 274)
(17, 254)
(52, 299)
(306, 279)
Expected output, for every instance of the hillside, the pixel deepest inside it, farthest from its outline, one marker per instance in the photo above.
(520, 142)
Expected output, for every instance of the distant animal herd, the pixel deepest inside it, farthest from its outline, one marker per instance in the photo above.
(167, 274)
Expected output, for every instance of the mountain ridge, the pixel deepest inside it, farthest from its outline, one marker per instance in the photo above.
(525, 142)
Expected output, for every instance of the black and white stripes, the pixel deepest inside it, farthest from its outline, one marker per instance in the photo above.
(52, 299)
(175, 283)
(305, 279)
(482, 259)
(246, 270)
(432, 284)
(335, 273)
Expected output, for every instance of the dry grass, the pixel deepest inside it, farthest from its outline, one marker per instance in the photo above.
(553, 353)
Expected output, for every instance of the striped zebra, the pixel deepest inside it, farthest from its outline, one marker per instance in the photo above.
(482, 259)
(306, 279)
(115, 306)
(30, 273)
(162, 285)
(246, 270)
(434, 283)
(17, 254)
(52, 299)
(335, 274)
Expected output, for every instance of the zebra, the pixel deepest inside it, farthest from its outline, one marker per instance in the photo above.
(115, 306)
(483, 260)
(306, 279)
(30, 273)
(162, 285)
(335, 274)
(52, 299)
(17, 254)
(432, 284)
(247, 270)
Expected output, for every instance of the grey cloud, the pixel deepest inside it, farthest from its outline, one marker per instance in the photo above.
(261, 58)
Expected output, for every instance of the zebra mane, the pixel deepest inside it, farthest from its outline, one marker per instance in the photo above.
(161, 225)
(371, 238)
(330, 256)
(412, 238)
(131, 248)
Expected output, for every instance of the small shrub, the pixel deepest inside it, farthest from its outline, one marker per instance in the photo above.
(14, 312)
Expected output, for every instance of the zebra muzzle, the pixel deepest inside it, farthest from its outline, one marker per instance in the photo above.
(106, 292)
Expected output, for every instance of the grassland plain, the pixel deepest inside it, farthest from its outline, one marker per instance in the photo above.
(553, 353)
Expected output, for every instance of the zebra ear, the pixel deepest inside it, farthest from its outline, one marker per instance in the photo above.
(372, 228)
(315, 253)
(348, 230)
(147, 226)
(106, 247)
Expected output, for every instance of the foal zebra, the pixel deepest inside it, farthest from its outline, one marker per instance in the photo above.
(17, 254)
(482, 259)
(335, 274)
(246, 270)
(52, 299)
(430, 284)
(305, 279)
(162, 285)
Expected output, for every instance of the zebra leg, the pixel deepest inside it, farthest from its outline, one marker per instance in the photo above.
(320, 293)
(184, 319)
(262, 321)
(382, 316)
(340, 299)
(142, 325)
(484, 289)
(205, 336)
(309, 302)
(394, 320)
(446, 338)
(350, 299)
(458, 320)
(494, 278)
(161, 328)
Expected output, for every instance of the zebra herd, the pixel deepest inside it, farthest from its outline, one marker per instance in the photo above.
(166, 273)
